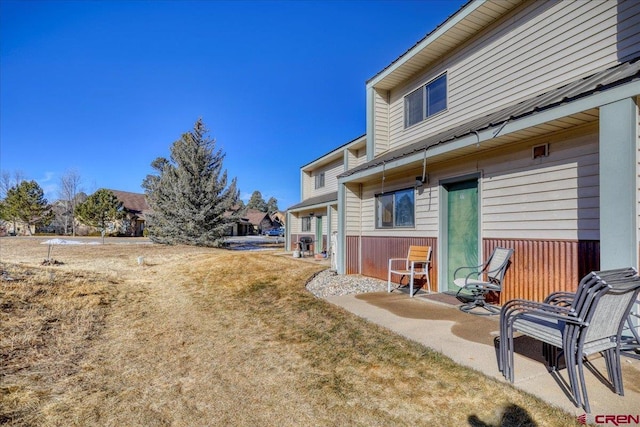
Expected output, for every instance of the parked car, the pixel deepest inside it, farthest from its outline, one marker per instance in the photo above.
(276, 232)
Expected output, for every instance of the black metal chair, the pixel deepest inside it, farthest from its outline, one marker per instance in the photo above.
(474, 287)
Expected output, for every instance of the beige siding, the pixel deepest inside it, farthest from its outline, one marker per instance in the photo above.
(426, 209)
(381, 121)
(542, 46)
(556, 197)
(551, 198)
(331, 172)
(334, 220)
(352, 209)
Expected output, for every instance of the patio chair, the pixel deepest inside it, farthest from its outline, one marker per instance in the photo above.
(579, 324)
(474, 287)
(416, 263)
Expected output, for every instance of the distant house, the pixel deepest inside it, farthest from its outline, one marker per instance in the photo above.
(135, 208)
(263, 221)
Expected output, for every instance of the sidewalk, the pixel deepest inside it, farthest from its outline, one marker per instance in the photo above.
(469, 341)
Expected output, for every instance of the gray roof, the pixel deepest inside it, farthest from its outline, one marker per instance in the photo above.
(599, 82)
(318, 200)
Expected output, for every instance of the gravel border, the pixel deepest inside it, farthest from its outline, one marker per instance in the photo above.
(328, 283)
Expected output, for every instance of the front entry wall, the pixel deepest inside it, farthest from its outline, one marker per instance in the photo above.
(538, 267)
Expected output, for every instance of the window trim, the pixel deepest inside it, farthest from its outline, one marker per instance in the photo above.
(319, 180)
(424, 89)
(394, 203)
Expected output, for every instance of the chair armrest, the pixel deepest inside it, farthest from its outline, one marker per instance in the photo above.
(474, 271)
(516, 308)
(395, 260)
(561, 297)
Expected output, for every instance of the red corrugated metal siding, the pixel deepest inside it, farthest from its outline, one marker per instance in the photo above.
(541, 267)
(352, 255)
(376, 252)
(538, 267)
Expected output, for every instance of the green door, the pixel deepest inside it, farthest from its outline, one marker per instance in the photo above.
(318, 245)
(462, 227)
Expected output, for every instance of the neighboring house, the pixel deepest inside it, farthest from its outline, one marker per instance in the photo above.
(135, 207)
(513, 123)
(262, 221)
(316, 216)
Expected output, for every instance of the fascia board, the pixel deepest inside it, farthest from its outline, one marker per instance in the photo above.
(583, 104)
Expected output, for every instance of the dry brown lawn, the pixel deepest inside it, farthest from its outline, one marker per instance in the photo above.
(203, 337)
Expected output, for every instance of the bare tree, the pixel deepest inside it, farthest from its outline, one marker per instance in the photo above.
(9, 180)
(68, 193)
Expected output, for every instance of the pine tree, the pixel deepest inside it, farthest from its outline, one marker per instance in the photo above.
(99, 210)
(25, 202)
(272, 205)
(257, 202)
(189, 196)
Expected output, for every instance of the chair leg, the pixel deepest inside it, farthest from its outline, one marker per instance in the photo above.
(411, 284)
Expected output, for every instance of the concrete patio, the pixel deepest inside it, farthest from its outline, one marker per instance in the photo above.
(434, 321)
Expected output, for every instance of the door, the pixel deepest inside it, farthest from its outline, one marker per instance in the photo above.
(461, 227)
(318, 239)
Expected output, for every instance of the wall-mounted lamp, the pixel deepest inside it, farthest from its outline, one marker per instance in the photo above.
(311, 214)
(419, 181)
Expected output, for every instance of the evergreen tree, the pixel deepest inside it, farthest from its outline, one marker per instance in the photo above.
(272, 205)
(189, 196)
(99, 210)
(257, 202)
(25, 202)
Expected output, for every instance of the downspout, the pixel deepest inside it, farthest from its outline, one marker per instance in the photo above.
(360, 230)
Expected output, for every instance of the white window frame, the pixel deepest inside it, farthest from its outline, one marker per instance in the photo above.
(412, 100)
(388, 218)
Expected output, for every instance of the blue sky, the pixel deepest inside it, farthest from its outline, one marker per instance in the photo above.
(105, 87)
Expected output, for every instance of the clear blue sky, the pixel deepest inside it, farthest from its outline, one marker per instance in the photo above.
(105, 87)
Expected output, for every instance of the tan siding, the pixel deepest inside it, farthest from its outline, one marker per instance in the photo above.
(352, 209)
(543, 46)
(381, 121)
(555, 199)
(331, 172)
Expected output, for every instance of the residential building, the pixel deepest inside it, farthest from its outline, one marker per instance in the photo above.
(316, 216)
(513, 123)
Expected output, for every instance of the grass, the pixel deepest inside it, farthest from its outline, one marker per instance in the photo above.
(201, 337)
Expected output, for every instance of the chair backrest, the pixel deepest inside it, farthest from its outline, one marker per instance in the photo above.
(419, 254)
(608, 312)
(497, 264)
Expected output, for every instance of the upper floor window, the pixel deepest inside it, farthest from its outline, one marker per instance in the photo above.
(395, 209)
(425, 101)
(320, 180)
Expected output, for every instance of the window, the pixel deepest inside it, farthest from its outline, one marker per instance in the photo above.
(320, 180)
(396, 209)
(306, 223)
(425, 101)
